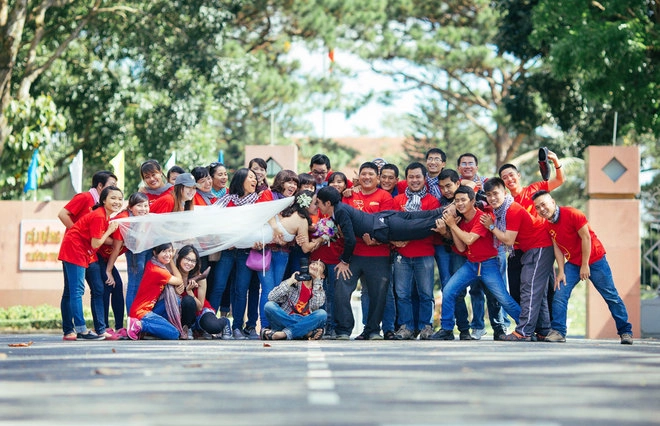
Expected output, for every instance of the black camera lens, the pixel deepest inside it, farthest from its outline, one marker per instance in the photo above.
(304, 275)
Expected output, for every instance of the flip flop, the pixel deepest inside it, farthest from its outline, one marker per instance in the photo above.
(316, 334)
(267, 334)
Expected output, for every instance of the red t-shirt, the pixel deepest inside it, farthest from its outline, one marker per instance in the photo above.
(483, 248)
(327, 253)
(525, 198)
(153, 283)
(266, 195)
(302, 306)
(423, 247)
(164, 204)
(80, 205)
(106, 249)
(565, 234)
(377, 201)
(198, 200)
(529, 236)
(76, 245)
(154, 197)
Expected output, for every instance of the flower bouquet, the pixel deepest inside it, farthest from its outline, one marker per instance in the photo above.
(326, 229)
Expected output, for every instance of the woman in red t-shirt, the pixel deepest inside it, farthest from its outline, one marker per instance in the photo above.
(138, 205)
(148, 313)
(77, 250)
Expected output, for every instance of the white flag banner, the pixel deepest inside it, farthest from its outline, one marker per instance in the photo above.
(76, 172)
(170, 162)
(208, 228)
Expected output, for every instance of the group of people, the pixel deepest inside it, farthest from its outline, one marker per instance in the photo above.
(494, 237)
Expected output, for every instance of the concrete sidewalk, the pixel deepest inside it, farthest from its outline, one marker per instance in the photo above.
(328, 382)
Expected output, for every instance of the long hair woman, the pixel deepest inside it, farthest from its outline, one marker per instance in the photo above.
(81, 243)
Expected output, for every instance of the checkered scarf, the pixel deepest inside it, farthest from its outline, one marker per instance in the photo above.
(414, 203)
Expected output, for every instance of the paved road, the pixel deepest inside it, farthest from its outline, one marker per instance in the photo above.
(328, 382)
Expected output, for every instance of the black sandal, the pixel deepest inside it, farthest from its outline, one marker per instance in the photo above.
(267, 334)
(316, 334)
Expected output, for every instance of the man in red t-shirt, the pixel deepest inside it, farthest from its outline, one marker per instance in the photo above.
(370, 261)
(476, 241)
(523, 196)
(413, 263)
(584, 254)
(513, 226)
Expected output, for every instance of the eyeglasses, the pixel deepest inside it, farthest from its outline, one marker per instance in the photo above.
(189, 260)
(434, 160)
(468, 164)
(319, 172)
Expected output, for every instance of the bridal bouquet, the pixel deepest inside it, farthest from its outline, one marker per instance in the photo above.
(326, 229)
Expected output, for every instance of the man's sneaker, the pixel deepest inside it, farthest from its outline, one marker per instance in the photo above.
(343, 337)
(329, 334)
(443, 335)
(403, 333)
(375, 336)
(133, 329)
(361, 336)
(478, 333)
(626, 339)
(389, 335)
(226, 333)
(515, 337)
(251, 333)
(538, 337)
(238, 334)
(554, 336)
(426, 333)
(499, 334)
(464, 335)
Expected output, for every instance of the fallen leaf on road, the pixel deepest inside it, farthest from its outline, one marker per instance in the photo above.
(20, 345)
(266, 345)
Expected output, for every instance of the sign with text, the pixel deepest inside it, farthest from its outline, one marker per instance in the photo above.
(39, 246)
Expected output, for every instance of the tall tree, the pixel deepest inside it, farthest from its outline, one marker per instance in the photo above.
(612, 48)
(445, 50)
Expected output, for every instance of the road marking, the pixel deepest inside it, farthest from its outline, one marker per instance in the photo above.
(320, 384)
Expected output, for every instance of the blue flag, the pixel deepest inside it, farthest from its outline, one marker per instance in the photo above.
(31, 183)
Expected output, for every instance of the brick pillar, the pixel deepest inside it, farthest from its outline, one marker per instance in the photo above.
(614, 214)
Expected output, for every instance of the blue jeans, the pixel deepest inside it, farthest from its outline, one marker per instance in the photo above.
(271, 279)
(409, 271)
(497, 318)
(601, 278)
(329, 288)
(232, 259)
(135, 263)
(489, 273)
(294, 326)
(117, 293)
(448, 263)
(71, 306)
(157, 324)
(97, 288)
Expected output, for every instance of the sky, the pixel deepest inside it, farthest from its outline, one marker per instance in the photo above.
(369, 120)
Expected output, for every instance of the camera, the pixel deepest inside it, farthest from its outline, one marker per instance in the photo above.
(304, 275)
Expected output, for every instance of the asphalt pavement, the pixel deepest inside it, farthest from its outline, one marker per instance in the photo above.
(151, 382)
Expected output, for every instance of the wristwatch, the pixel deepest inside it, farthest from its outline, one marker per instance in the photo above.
(491, 227)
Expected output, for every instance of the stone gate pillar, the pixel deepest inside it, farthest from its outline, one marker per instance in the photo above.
(614, 214)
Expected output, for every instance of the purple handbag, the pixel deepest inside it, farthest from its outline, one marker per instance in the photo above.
(259, 260)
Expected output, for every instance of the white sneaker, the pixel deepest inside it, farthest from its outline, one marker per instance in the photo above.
(478, 333)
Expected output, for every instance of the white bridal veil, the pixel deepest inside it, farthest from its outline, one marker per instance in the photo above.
(208, 228)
